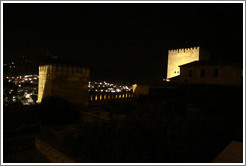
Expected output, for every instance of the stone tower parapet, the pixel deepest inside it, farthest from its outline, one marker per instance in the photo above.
(65, 81)
(66, 69)
(180, 50)
(181, 56)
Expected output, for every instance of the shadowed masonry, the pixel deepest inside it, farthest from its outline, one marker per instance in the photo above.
(68, 82)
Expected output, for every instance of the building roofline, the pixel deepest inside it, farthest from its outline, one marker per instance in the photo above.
(212, 63)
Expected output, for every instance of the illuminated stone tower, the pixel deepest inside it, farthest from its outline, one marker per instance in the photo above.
(65, 81)
(183, 56)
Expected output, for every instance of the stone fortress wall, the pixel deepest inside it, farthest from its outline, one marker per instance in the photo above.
(183, 56)
(65, 81)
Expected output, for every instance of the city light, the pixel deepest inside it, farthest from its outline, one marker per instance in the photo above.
(22, 89)
(94, 86)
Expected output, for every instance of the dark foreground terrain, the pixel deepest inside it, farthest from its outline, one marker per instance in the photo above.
(183, 125)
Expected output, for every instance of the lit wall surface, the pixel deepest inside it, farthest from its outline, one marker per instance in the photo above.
(140, 89)
(180, 57)
(68, 82)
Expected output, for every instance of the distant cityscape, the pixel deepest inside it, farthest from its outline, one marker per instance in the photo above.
(107, 87)
(23, 89)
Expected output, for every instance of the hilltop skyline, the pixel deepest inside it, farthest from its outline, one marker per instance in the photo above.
(122, 41)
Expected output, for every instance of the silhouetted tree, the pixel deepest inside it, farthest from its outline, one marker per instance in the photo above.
(57, 110)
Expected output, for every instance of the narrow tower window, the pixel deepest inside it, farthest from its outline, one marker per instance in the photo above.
(190, 73)
(202, 73)
(215, 72)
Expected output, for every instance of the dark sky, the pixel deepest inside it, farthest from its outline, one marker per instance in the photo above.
(127, 42)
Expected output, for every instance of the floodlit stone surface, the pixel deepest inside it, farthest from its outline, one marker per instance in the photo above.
(183, 56)
(68, 82)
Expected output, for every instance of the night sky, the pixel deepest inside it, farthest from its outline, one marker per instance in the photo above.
(121, 42)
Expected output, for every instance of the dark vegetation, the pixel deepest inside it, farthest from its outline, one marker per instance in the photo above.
(20, 125)
(194, 125)
(55, 110)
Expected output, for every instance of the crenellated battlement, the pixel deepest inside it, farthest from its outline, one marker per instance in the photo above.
(61, 68)
(177, 57)
(180, 50)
